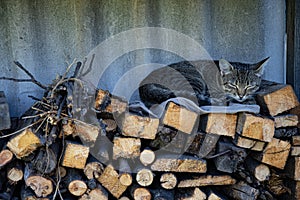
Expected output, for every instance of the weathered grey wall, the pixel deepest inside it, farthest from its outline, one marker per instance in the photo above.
(46, 35)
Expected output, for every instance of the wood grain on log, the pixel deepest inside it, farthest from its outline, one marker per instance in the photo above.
(180, 118)
(144, 177)
(110, 180)
(182, 164)
(219, 124)
(285, 120)
(207, 180)
(296, 111)
(168, 181)
(147, 157)
(277, 98)
(41, 186)
(295, 151)
(242, 191)
(93, 170)
(95, 194)
(296, 140)
(75, 156)
(77, 187)
(140, 127)
(275, 153)
(142, 194)
(255, 127)
(14, 175)
(5, 157)
(260, 171)
(126, 148)
(24, 144)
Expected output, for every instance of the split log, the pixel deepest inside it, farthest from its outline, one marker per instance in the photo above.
(141, 194)
(277, 98)
(168, 181)
(75, 155)
(24, 144)
(285, 120)
(93, 170)
(255, 127)
(5, 122)
(229, 162)
(126, 148)
(147, 157)
(110, 180)
(296, 111)
(190, 194)
(180, 118)
(208, 145)
(140, 127)
(296, 140)
(109, 104)
(144, 177)
(95, 194)
(260, 171)
(241, 191)
(181, 164)
(275, 153)
(207, 180)
(248, 143)
(41, 186)
(219, 124)
(88, 133)
(5, 157)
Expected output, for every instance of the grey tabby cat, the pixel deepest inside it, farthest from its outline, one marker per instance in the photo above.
(238, 81)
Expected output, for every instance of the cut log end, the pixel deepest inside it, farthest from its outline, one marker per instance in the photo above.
(41, 186)
(141, 194)
(77, 187)
(144, 177)
(126, 179)
(14, 175)
(93, 170)
(5, 157)
(147, 157)
(168, 181)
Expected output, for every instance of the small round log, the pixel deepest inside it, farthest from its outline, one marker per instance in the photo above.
(77, 187)
(41, 186)
(262, 172)
(14, 175)
(168, 181)
(111, 125)
(5, 157)
(144, 177)
(147, 157)
(142, 194)
(125, 179)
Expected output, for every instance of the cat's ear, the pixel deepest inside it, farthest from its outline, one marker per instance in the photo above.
(225, 67)
(259, 67)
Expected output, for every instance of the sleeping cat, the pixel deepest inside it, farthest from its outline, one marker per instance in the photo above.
(199, 82)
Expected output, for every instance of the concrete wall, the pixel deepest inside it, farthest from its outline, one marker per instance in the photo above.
(47, 35)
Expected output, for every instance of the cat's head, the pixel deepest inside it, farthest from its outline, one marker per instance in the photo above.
(240, 80)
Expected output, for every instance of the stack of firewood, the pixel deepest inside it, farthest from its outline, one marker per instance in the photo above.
(128, 154)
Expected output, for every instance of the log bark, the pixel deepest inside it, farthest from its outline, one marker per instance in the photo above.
(168, 181)
(75, 155)
(24, 144)
(207, 180)
(255, 127)
(41, 186)
(182, 164)
(248, 143)
(277, 98)
(180, 118)
(219, 124)
(242, 191)
(139, 127)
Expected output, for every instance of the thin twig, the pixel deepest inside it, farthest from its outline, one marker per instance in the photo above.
(31, 76)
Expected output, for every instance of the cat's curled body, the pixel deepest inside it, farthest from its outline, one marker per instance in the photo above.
(238, 81)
